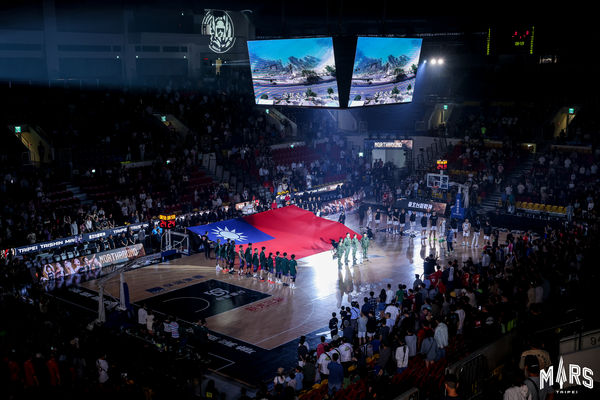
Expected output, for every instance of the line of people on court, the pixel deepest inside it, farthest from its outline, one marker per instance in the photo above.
(343, 247)
(273, 268)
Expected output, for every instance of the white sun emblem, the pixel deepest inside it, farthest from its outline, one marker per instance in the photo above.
(229, 234)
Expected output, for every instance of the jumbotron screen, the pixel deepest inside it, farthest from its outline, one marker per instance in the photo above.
(294, 72)
(384, 71)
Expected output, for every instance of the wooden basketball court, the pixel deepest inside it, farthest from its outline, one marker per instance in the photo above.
(270, 315)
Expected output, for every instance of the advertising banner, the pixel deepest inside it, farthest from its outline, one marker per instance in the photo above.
(422, 206)
(71, 240)
(84, 264)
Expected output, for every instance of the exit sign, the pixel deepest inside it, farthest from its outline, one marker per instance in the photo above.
(571, 111)
(17, 129)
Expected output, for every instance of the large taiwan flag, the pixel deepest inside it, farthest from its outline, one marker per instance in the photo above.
(290, 229)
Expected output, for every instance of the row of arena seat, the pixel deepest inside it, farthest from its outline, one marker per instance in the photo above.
(541, 207)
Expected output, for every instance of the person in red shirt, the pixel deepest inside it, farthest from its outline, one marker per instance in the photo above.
(53, 371)
(31, 379)
(465, 279)
(321, 347)
(14, 370)
(436, 277)
(422, 333)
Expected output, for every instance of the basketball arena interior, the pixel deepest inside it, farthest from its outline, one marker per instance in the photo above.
(298, 200)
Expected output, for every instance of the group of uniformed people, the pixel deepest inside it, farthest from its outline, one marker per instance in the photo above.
(274, 269)
(346, 244)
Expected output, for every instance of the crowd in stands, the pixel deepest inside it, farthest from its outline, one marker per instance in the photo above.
(565, 178)
(53, 353)
(403, 336)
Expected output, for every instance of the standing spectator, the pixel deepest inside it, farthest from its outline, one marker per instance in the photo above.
(532, 371)
(429, 348)
(401, 356)
(336, 374)
(441, 338)
(142, 315)
(385, 353)
(102, 367)
(451, 384)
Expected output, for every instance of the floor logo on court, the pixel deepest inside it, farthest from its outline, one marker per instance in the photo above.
(203, 300)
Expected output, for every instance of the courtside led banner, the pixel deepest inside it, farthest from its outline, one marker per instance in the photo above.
(84, 264)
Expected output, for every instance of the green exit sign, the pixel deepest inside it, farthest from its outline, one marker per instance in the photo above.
(17, 129)
(571, 111)
(445, 106)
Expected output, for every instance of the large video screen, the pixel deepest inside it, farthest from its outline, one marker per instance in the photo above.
(384, 71)
(294, 72)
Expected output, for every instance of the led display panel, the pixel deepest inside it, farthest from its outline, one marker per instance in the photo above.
(294, 72)
(384, 71)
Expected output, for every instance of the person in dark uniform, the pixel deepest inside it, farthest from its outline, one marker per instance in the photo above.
(424, 221)
(231, 257)
(413, 223)
(270, 270)
(277, 268)
(263, 264)
(255, 263)
(433, 221)
(285, 269)
(206, 245)
(242, 259)
(342, 218)
(248, 259)
(396, 221)
(402, 221)
(293, 267)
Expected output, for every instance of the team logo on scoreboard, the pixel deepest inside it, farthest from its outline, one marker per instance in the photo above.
(219, 25)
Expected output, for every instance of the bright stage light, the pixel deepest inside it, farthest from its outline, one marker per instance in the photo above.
(433, 61)
(440, 61)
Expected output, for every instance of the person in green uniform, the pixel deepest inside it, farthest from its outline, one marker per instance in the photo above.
(292, 264)
(285, 269)
(218, 246)
(340, 252)
(347, 245)
(263, 263)
(255, 263)
(231, 257)
(270, 268)
(248, 259)
(365, 246)
(277, 268)
(225, 254)
(354, 245)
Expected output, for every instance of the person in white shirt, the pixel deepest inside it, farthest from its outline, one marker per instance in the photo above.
(322, 362)
(466, 229)
(150, 323)
(401, 356)
(390, 294)
(393, 311)
(142, 315)
(345, 350)
(461, 319)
